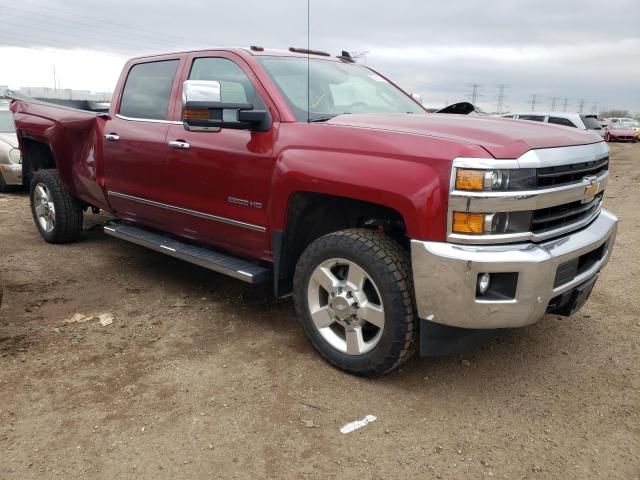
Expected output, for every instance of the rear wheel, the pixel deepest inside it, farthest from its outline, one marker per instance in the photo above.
(353, 293)
(57, 214)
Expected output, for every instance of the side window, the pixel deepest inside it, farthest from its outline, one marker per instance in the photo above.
(562, 121)
(235, 86)
(535, 118)
(147, 89)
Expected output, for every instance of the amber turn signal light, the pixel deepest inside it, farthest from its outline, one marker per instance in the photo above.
(464, 222)
(195, 114)
(470, 179)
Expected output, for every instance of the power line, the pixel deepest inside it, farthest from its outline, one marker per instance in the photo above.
(29, 40)
(594, 108)
(581, 107)
(554, 100)
(93, 33)
(501, 97)
(160, 35)
(565, 103)
(127, 45)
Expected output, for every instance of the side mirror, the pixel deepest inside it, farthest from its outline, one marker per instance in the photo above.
(203, 110)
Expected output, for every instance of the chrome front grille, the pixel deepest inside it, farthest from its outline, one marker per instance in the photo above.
(575, 172)
(551, 218)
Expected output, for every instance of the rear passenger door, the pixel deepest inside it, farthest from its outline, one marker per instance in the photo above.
(135, 141)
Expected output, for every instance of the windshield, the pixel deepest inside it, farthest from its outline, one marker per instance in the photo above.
(334, 88)
(591, 123)
(6, 122)
(620, 126)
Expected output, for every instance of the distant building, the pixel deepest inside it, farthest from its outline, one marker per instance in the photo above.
(61, 93)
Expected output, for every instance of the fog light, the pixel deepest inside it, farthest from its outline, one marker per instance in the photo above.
(484, 280)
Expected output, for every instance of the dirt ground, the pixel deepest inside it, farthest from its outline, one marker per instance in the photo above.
(202, 376)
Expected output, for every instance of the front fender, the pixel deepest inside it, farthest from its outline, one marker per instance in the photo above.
(412, 189)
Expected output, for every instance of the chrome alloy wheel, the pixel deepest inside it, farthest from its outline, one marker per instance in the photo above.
(345, 306)
(44, 208)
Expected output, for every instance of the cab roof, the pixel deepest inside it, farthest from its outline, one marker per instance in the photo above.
(256, 52)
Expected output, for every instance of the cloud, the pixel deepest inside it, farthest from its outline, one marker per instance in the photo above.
(580, 49)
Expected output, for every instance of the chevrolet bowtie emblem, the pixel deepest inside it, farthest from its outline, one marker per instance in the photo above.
(593, 187)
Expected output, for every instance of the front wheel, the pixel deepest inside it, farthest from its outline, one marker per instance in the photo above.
(57, 214)
(353, 294)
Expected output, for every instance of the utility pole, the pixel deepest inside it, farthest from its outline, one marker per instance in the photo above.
(534, 102)
(501, 89)
(474, 93)
(594, 108)
(55, 83)
(564, 104)
(553, 103)
(581, 107)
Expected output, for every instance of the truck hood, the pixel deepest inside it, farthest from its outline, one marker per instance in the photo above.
(10, 138)
(501, 137)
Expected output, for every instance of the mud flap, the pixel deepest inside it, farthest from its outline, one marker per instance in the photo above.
(437, 340)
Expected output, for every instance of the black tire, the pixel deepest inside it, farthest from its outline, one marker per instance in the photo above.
(387, 264)
(3, 184)
(67, 225)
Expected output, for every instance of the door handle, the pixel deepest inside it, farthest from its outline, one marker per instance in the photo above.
(112, 137)
(179, 144)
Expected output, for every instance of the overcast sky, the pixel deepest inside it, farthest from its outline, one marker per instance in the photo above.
(578, 49)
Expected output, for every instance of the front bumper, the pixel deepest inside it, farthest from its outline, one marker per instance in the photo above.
(445, 275)
(12, 173)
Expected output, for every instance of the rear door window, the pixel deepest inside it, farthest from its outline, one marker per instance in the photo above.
(591, 122)
(535, 118)
(147, 90)
(562, 121)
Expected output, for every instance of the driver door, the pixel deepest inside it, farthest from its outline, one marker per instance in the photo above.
(220, 181)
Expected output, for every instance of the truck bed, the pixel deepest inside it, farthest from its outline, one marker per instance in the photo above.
(67, 138)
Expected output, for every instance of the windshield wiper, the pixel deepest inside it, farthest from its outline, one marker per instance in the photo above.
(322, 119)
(327, 117)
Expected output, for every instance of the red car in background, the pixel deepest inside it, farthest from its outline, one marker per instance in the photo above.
(618, 132)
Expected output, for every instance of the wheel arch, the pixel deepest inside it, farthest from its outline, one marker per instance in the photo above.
(310, 215)
(36, 155)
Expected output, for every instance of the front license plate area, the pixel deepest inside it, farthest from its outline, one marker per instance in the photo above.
(570, 302)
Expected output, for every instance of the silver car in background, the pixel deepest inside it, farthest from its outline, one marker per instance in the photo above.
(10, 157)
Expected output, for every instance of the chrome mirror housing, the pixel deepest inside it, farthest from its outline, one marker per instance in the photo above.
(200, 91)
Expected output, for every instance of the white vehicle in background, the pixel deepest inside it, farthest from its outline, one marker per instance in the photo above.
(10, 157)
(620, 120)
(575, 120)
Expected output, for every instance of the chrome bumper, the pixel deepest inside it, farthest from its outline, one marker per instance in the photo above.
(12, 173)
(445, 276)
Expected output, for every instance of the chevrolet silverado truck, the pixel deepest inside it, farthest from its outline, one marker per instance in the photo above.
(394, 229)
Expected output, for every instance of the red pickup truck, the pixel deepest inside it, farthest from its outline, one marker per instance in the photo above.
(394, 229)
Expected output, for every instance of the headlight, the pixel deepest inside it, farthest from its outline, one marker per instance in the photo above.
(15, 155)
(495, 180)
(491, 223)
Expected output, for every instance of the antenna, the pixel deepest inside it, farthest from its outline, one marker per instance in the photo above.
(308, 68)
